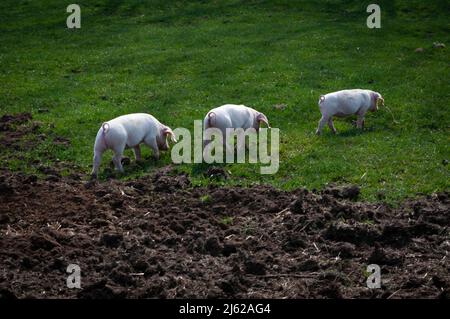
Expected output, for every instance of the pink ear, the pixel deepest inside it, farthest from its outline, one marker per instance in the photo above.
(262, 118)
(168, 131)
(373, 98)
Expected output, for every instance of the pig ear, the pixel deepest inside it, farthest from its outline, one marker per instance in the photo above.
(377, 97)
(168, 131)
(262, 118)
(374, 96)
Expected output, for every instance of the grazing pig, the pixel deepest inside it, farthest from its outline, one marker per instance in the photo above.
(130, 131)
(233, 116)
(347, 102)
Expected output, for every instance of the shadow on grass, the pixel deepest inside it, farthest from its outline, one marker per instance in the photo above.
(133, 168)
(199, 169)
(353, 131)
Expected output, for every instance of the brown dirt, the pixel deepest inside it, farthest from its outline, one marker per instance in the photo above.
(13, 128)
(159, 237)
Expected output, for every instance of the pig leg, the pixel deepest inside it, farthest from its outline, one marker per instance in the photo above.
(322, 122)
(137, 153)
(227, 142)
(331, 125)
(151, 142)
(360, 121)
(96, 164)
(117, 158)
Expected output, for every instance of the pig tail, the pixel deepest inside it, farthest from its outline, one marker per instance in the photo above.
(105, 127)
(322, 98)
(211, 116)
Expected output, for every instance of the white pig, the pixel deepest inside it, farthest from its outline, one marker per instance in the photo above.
(347, 102)
(130, 131)
(234, 116)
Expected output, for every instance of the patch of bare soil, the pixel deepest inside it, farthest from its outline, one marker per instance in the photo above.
(19, 134)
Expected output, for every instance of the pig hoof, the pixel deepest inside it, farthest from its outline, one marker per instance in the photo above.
(125, 161)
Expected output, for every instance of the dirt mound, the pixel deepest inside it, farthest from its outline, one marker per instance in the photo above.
(7, 120)
(160, 237)
(13, 128)
(20, 133)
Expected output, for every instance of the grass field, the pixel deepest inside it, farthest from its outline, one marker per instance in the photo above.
(177, 60)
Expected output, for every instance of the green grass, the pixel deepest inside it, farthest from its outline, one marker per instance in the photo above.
(177, 60)
(228, 220)
(205, 199)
